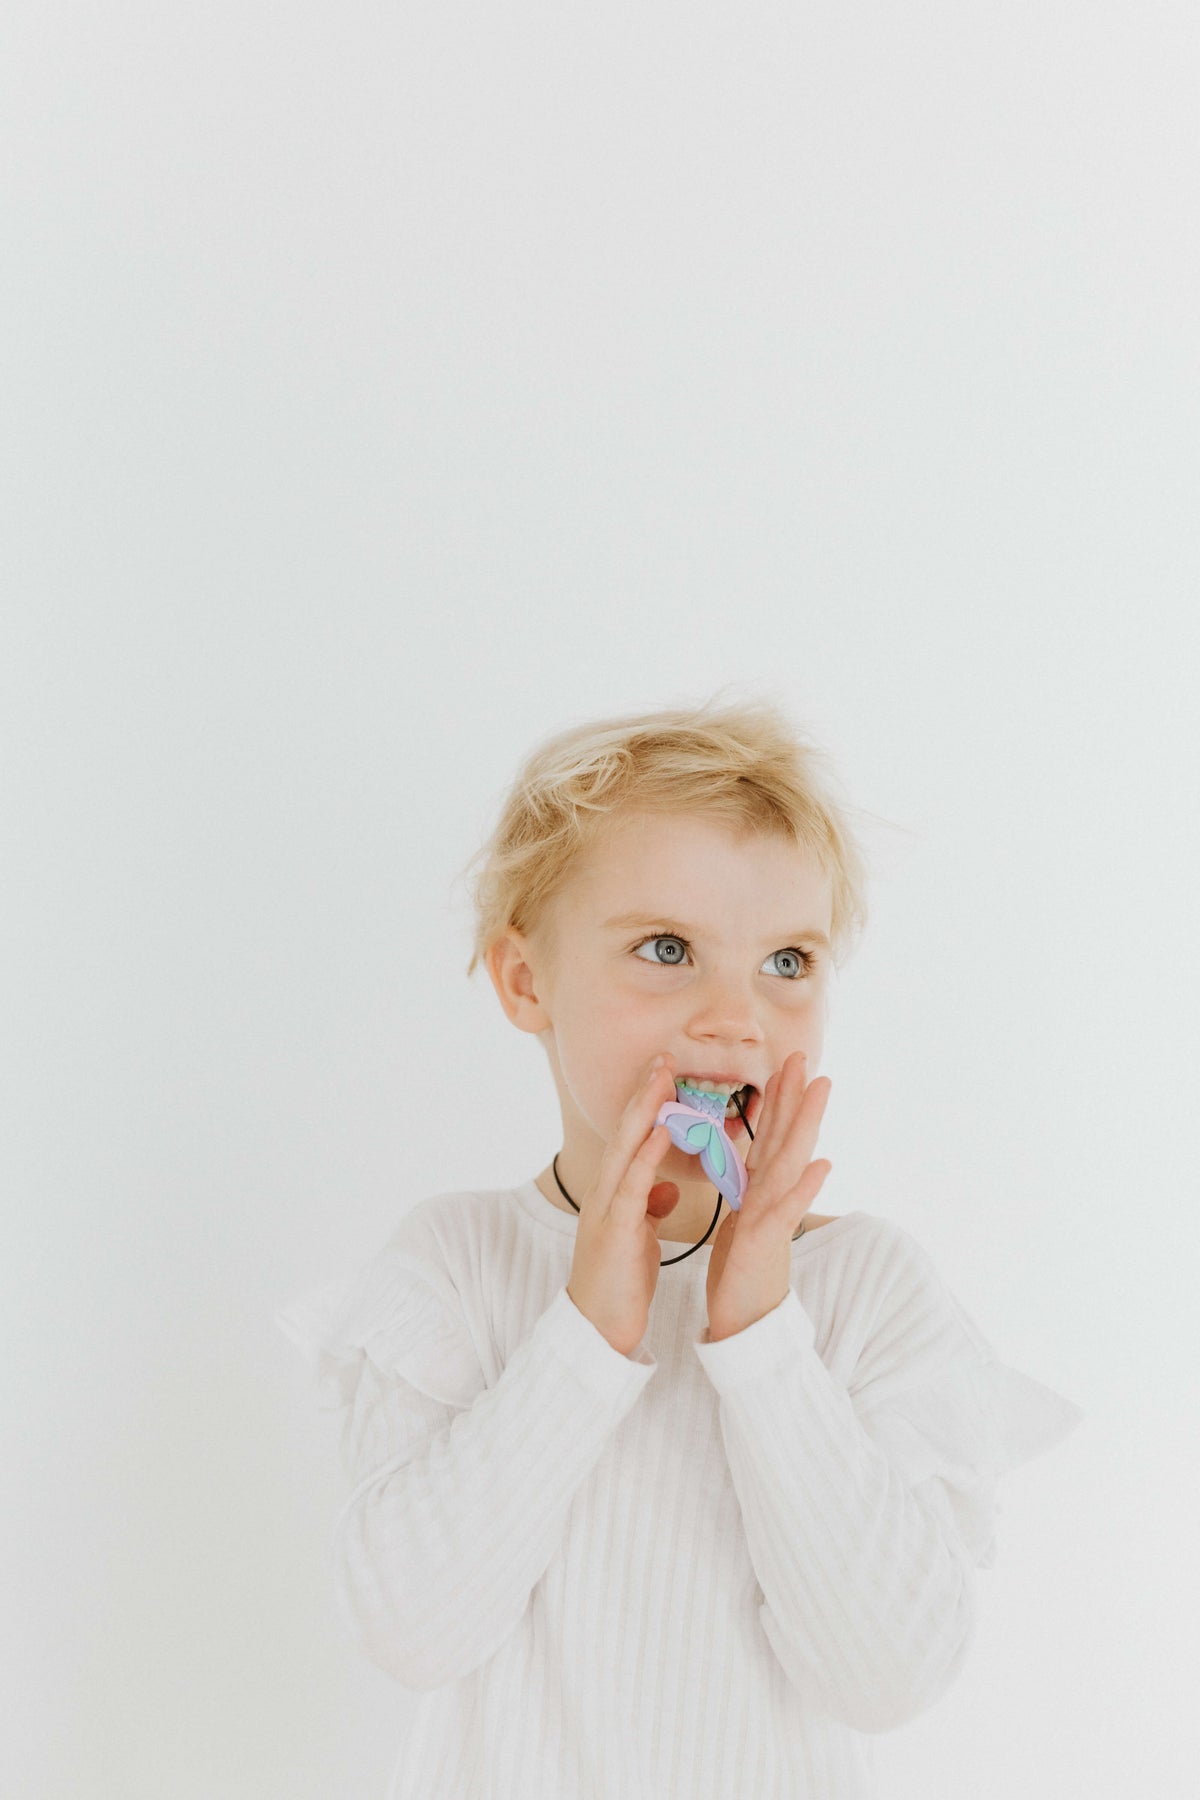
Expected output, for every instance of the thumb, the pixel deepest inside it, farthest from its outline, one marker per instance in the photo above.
(662, 1199)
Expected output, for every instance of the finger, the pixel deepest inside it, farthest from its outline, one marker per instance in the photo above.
(812, 1181)
(799, 1138)
(631, 1138)
(772, 1122)
(631, 1199)
(807, 1124)
(797, 1123)
(791, 1206)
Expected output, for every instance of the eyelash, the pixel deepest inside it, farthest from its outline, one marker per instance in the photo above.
(807, 957)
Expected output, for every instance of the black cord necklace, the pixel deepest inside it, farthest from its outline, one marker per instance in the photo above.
(668, 1260)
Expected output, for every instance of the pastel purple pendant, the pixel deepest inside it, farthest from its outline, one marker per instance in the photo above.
(696, 1122)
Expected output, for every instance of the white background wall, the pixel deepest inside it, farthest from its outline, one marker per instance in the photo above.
(385, 387)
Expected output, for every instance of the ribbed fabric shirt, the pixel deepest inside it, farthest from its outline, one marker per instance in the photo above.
(694, 1571)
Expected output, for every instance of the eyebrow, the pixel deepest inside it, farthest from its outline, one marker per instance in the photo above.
(626, 920)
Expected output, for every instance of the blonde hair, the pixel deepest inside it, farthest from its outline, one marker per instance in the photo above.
(743, 764)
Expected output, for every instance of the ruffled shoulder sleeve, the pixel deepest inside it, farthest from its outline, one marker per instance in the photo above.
(399, 1317)
(947, 1412)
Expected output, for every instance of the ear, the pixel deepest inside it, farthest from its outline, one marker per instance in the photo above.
(512, 964)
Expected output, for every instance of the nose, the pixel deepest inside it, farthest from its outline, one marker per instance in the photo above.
(726, 1011)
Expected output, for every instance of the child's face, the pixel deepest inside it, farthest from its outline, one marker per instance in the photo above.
(732, 1000)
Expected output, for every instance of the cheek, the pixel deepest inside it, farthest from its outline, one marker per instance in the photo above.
(600, 1076)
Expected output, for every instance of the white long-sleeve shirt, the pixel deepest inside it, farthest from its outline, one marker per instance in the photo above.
(698, 1570)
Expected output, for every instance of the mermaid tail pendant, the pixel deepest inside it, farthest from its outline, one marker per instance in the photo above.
(696, 1122)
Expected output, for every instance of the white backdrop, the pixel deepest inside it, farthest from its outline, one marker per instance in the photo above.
(385, 387)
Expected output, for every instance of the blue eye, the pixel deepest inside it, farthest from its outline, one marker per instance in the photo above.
(805, 959)
(674, 962)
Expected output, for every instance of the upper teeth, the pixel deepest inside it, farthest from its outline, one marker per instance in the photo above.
(724, 1088)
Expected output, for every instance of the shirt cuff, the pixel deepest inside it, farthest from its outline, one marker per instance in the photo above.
(773, 1342)
(589, 1355)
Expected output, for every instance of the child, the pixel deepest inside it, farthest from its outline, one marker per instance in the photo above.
(647, 1526)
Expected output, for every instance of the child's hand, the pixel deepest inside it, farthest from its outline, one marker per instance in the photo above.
(614, 1271)
(749, 1271)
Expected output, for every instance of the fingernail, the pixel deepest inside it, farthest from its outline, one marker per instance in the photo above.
(657, 1063)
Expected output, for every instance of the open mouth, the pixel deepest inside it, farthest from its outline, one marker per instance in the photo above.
(740, 1094)
(734, 1120)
